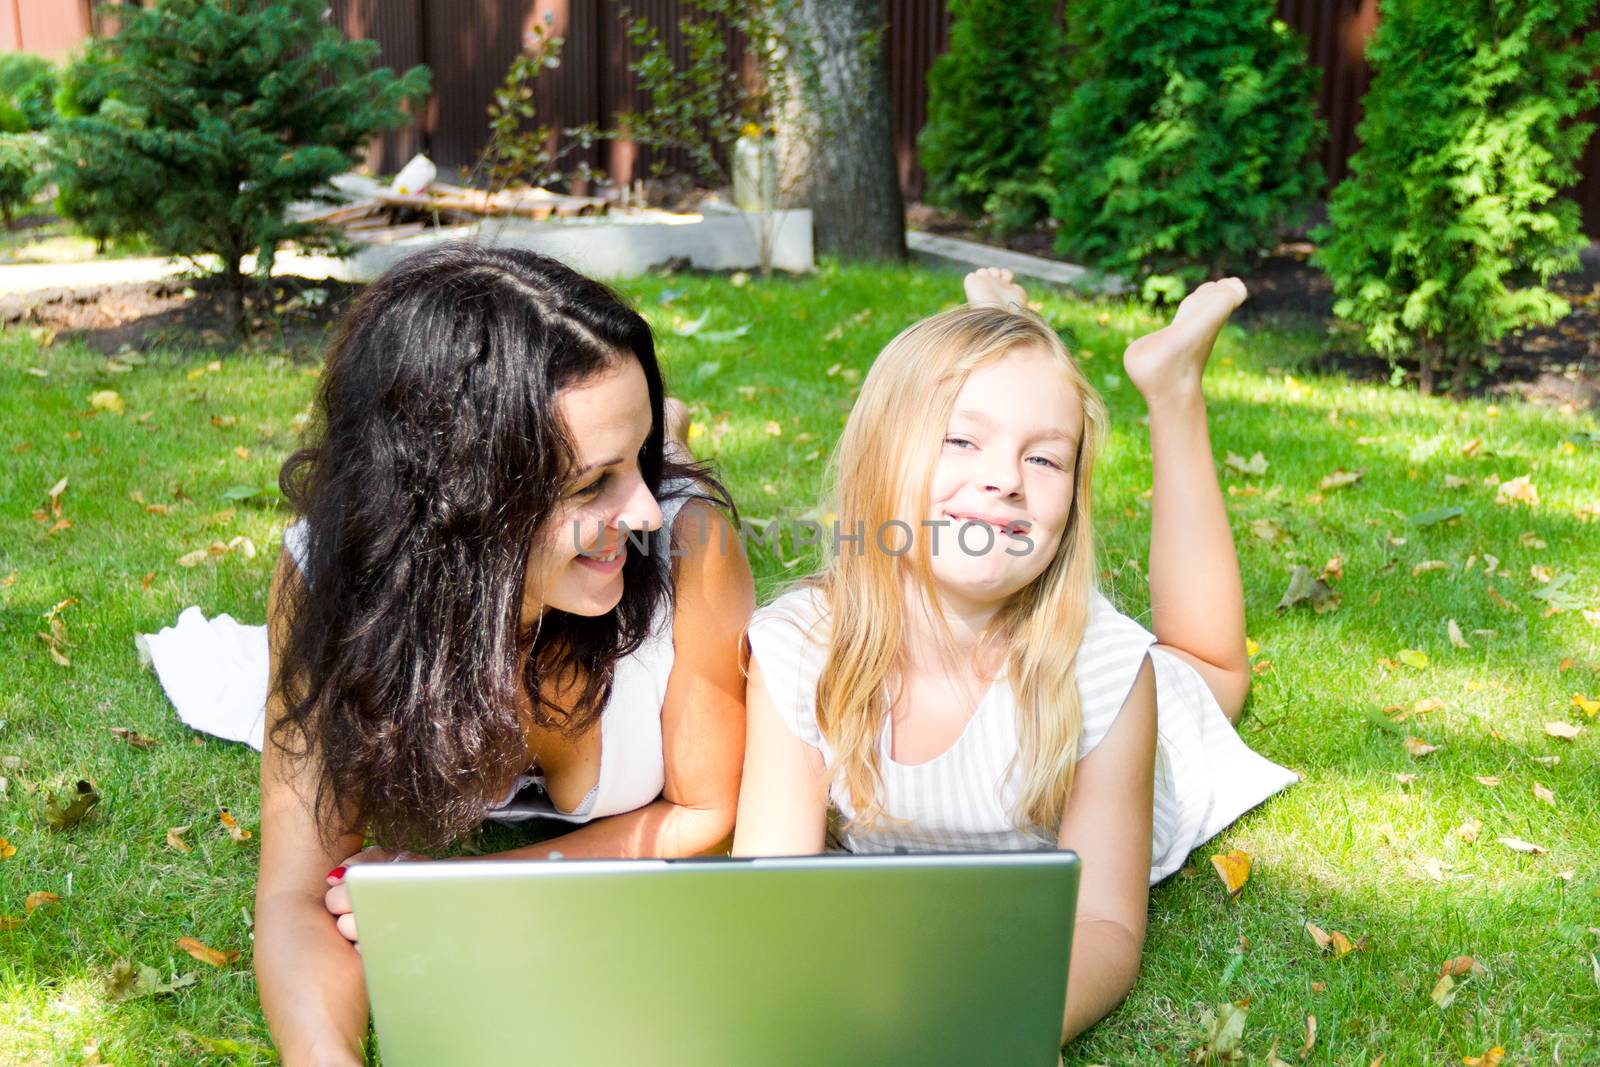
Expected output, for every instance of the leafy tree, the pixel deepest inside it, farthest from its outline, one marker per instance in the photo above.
(989, 101)
(214, 116)
(21, 155)
(1450, 223)
(27, 83)
(1188, 139)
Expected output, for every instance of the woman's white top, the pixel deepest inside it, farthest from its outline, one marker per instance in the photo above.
(966, 798)
(216, 671)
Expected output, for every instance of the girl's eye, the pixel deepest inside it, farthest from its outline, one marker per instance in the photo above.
(1045, 461)
(957, 441)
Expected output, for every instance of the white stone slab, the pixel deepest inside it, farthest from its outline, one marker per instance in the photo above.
(970, 255)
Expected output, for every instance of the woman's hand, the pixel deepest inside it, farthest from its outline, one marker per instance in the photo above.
(337, 898)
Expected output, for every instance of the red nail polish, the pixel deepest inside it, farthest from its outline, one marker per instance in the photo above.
(336, 874)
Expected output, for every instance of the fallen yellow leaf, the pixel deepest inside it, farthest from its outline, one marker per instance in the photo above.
(1589, 707)
(239, 834)
(1564, 730)
(1544, 794)
(1490, 780)
(1234, 870)
(1469, 830)
(39, 900)
(1429, 565)
(106, 400)
(1491, 1058)
(1423, 707)
(205, 953)
(7, 849)
(175, 839)
(1443, 993)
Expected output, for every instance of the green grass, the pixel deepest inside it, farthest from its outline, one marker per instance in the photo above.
(1352, 848)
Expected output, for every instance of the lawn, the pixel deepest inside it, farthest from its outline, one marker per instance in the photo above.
(1373, 844)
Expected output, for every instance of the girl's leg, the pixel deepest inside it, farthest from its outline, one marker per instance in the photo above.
(1196, 597)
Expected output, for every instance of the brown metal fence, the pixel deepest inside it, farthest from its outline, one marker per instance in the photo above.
(468, 44)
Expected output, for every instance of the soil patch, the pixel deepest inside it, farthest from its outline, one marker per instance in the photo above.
(294, 315)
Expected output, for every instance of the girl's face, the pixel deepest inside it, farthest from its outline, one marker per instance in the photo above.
(577, 566)
(1002, 486)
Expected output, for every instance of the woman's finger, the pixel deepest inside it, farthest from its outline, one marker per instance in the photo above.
(337, 899)
(346, 925)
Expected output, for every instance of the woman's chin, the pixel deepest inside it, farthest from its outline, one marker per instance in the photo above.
(588, 590)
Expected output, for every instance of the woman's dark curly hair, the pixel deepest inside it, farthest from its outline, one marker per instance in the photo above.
(436, 458)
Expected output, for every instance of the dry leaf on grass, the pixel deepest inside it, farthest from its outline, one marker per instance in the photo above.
(126, 983)
(1255, 466)
(1340, 478)
(1454, 631)
(7, 849)
(1412, 658)
(239, 834)
(1490, 780)
(1542, 793)
(1222, 1033)
(134, 738)
(1336, 942)
(106, 400)
(1234, 870)
(66, 810)
(205, 953)
(1461, 965)
(1444, 992)
(1492, 1058)
(1429, 565)
(1519, 490)
(40, 899)
(1469, 830)
(1517, 844)
(175, 839)
(1566, 731)
(1304, 588)
(1416, 747)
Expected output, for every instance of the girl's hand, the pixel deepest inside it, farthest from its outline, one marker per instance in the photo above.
(337, 899)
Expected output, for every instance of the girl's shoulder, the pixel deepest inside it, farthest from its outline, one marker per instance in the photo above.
(789, 641)
(1114, 648)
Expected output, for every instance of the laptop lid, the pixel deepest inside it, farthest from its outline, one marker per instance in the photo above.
(900, 959)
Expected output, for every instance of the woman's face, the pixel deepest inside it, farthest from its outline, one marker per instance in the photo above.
(1002, 487)
(577, 565)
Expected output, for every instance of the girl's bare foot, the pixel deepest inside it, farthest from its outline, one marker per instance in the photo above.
(994, 287)
(1170, 362)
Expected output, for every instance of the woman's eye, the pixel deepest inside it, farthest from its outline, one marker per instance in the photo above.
(593, 489)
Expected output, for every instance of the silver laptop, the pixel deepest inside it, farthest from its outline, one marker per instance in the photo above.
(817, 960)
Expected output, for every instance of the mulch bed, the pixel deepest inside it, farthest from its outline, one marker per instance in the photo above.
(1556, 365)
(296, 315)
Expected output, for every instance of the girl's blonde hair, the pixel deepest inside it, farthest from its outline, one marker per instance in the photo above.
(881, 474)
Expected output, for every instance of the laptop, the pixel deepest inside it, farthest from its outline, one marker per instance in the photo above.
(715, 962)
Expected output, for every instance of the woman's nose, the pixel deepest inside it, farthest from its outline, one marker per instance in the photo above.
(640, 510)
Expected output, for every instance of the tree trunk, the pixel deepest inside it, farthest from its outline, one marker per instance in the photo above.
(850, 178)
(1430, 358)
(233, 294)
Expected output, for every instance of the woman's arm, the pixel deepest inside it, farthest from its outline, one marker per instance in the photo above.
(312, 990)
(783, 803)
(703, 716)
(1107, 823)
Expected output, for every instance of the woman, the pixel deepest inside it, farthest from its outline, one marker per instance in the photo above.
(500, 583)
(954, 682)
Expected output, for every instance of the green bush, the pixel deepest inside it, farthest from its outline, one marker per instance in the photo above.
(21, 156)
(989, 101)
(211, 116)
(1450, 223)
(29, 83)
(1188, 141)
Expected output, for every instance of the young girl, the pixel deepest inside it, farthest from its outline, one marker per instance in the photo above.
(953, 681)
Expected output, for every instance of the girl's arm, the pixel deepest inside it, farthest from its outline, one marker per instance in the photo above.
(783, 803)
(312, 990)
(1107, 823)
